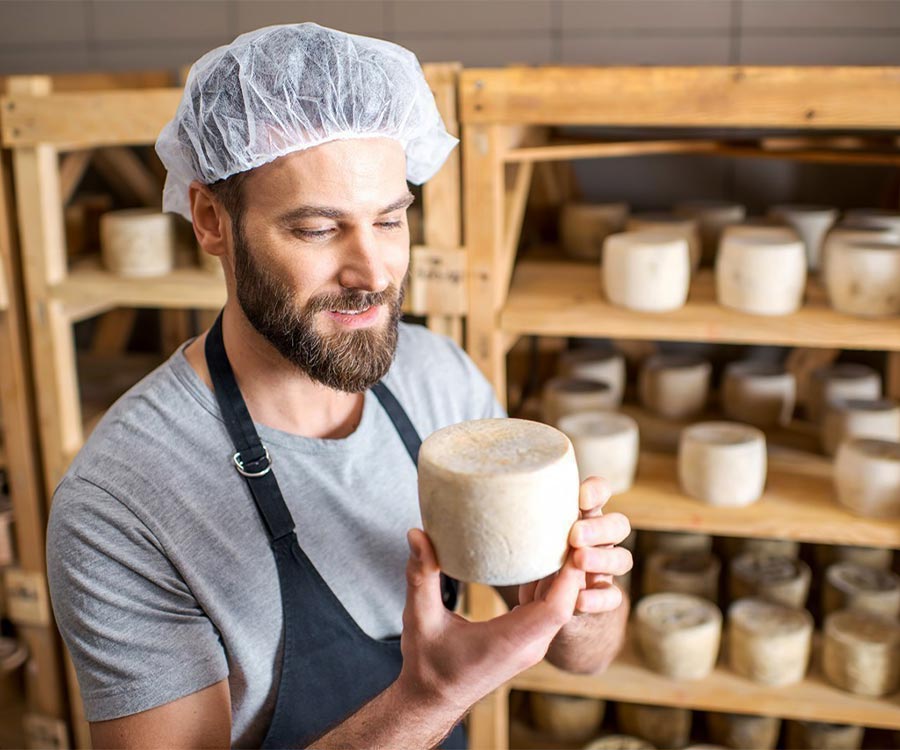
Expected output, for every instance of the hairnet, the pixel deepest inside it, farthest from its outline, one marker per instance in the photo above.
(287, 88)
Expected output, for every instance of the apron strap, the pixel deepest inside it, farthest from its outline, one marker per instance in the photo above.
(400, 419)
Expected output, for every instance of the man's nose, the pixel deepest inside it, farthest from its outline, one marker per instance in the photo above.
(364, 264)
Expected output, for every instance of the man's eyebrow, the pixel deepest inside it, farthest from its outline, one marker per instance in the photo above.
(327, 212)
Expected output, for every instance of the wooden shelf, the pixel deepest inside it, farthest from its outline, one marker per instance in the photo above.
(628, 680)
(565, 299)
(798, 504)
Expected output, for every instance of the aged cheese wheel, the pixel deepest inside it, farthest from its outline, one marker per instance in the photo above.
(695, 573)
(674, 386)
(811, 223)
(848, 418)
(878, 218)
(564, 395)
(683, 227)
(712, 216)
(722, 463)
(618, 742)
(802, 735)
(770, 547)
(661, 726)
(862, 652)
(584, 226)
(850, 233)
(569, 718)
(591, 364)
(678, 635)
(867, 477)
(137, 242)
(498, 499)
(674, 542)
(863, 277)
(767, 642)
(871, 557)
(759, 393)
(852, 586)
(744, 732)
(606, 445)
(647, 271)
(845, 380)
(761, 273)
(783, 580)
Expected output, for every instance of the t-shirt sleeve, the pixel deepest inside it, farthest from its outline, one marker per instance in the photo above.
(137, 636)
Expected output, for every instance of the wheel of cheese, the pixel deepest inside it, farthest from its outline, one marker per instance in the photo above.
(849, 418)
(862, 652)
(569, 718)
(744, 732)
(584, 226)
(678, 635)
(761, 273)
(769, 643)
(564, 395)
(770, 547)
(618, 742)
(674, 542)
(852, 586)
(712, 216)
(498, 499)
(722, 463)
(802, 735)
(783, 580)
(758, 393)
(845, 380)
(606, 445)
(844, 234)
(871, 557)
(674, 386)
(811, 223)
(695, 573)
(591, 364)
(137, 242)
(863, 278)
(867, 477)
(661, 726)
(680, 227)
(879, 218)
(647, 271)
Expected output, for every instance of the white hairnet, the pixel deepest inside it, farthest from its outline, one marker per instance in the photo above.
(287, 88)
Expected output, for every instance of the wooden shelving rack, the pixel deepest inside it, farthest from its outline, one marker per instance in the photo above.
(508, 116)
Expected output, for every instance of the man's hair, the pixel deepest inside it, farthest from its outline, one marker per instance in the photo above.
(230, 193)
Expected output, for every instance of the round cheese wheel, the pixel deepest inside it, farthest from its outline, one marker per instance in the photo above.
(783, 580)
(862, 652)
(681, 227)
(806, 734)
(584, 226)
(618, 742)
(867, 477)
(674, 386)
(695, 573)
(137, 242)
(863, 278)
(646, 271)
(743, 731)
(811, 223)
(591, 364)
(770, 547)
(758, 393)
(606, 445)
(852, 586)
(841, 381)
(842, 235)
(564, 395)
(712, 216)
(849, 418)
(871, 557)
(661, 726)
(569, 718)
(878, 218)
(674, 542)
(498, 499)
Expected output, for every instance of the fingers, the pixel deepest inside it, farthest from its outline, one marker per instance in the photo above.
(599, 530)
(424, 606)
(526, 592)
(616, 561)
(593, 495)
(604, 598)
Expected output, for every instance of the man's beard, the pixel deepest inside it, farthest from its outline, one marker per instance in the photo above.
(350, 361)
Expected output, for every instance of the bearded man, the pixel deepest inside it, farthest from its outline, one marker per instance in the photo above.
(205, 602)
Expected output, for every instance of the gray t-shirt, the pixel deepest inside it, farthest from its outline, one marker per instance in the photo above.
(161, 574)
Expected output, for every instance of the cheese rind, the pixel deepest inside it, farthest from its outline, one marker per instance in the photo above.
(867, 477)
(862, 652)
(646, 271)
(606, 445)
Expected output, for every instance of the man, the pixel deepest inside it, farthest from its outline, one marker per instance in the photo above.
(226, 554)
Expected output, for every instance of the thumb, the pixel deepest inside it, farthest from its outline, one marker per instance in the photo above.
(424, 605)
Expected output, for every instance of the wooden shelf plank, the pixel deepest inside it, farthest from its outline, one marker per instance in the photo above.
(563, 151)
(816, 156)
(798, 504)
(627, 680)
(565, 299)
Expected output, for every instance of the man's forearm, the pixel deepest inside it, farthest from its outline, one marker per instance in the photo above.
(589, 643)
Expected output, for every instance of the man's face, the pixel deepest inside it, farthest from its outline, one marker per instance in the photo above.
(321, 254)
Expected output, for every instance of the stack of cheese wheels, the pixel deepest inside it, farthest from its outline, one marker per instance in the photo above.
(863, 276)
(674, 542)
(722, 463)
(758, 393)
(852, 586)
(498, 499)
(569, 718)
(565, 395)
(768, 642)
(867, 477)
(811, 223)
(606, 445)
(591, 364)
(849, 418)
(713, 217)
(619, 742)
(743, 731)
(583, 227)
(769, 547)
(674, 386)
(862, 652)
(783, 580)
(678, 635)
(137, 242)
(661, 726)
(681, 227)
(760, 272)
(646, 271)
(695, 573)
(871, 557)
(841, 381)
(842, 235)
(805, 734)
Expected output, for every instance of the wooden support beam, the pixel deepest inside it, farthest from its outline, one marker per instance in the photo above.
(128, 175)
(516, 201)
(71, 171)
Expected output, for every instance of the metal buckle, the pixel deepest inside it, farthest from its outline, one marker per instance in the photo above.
(239, 465)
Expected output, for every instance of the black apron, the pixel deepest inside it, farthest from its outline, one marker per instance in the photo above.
(330, 668)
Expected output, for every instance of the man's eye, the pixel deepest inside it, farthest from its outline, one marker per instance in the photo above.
(391, 224)
(313, 233)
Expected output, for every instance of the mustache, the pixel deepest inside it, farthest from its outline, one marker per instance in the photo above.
(353, 300)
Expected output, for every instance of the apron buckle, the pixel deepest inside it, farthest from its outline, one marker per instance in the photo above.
(257, 468)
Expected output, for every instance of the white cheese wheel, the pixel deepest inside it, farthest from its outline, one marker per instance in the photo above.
(712, 216)
(849, 233)
(137, 242)
(863, 278)
(806, 734)
(681, 227)
(674, 542)
(661, 726)
(591, 364)
(584, 226)
(606, 445)
(722, 463)
(871, 557)
(878, 218)
(862, 652)
(565, 395)
(674, 386)
(844, 380)
(695, 573)
(770, 547)
(742, 731)
(852, 586)
(678, 635)
(646, 271)
(867, 477)
(569, 718)
(498, 499)
(811, 223)
(618, 742)
(759, 393)
(850, 418)
(783, 580)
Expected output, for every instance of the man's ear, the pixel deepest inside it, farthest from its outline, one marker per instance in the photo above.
(212, 224)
